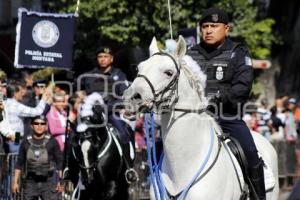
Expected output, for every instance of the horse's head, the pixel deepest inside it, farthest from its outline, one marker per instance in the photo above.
(90, 136)
(157, 76)
(157, 82)
(89, 142)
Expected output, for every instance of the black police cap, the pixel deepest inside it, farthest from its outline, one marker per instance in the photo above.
(104, 49)
(40, 117)
(40, 83)
(214, 15)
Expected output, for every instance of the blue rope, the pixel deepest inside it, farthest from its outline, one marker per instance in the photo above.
(153, 182)
(155, 176)
(184, 192)
(159, 181)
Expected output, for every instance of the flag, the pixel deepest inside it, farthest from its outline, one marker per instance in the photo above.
(44, 39)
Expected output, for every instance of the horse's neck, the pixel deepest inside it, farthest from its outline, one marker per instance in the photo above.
(189, 99)
(187, 136)
(186, 142)
(189, 96)
(187, 133)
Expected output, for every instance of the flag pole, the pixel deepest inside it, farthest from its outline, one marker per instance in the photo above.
(77, 8)
(170, 19)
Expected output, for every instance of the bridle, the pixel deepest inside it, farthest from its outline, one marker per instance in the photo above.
(172, 86)
(86, 135)
(110, 140)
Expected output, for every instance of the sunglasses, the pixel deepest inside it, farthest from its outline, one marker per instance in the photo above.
(39, 123)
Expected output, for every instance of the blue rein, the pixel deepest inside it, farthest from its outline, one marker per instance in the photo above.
(151, 154)
(155, 177)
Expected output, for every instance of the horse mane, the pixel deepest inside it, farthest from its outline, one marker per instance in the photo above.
(86, 109)
(89, 102)
(195, 68)
(195, 74)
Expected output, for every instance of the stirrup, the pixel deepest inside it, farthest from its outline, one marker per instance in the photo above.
(131, 176)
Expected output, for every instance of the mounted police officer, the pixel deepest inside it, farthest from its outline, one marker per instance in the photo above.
(110, 82)
(229, 79)
(39, 163)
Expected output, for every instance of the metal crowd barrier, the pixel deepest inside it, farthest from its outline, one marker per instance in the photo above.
(140, 189)
(137, 191)
(7, 166)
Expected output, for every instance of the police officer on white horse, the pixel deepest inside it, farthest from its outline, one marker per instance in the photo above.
(229, 78)
(110, 82)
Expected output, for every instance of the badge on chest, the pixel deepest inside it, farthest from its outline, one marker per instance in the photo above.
(219, 73)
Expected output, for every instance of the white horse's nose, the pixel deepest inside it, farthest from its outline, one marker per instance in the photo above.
(136, 97)
(131, 95)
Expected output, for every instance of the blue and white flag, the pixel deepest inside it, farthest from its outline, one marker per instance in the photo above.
(44, 39)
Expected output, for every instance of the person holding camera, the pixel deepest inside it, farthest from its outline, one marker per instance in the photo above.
(5, 130)
(16, 111)
(39, 164)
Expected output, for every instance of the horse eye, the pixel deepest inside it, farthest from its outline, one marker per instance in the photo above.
(169, 73)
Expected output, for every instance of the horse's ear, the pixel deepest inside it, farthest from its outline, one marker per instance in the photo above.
(153, 48)
(181, 47)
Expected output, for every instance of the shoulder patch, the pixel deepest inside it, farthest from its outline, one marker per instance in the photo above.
(248, 61)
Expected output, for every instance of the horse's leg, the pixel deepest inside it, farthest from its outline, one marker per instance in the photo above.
(116, 190)
(85, 195)
(110, 190)
(123, 187)
(73, 171)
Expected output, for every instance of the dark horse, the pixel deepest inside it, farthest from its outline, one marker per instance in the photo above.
(99, 160)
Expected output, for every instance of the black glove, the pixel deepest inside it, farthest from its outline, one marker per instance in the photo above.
(215, 98)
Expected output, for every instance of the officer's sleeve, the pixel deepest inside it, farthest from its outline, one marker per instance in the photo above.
(241, 81)
(121, 85)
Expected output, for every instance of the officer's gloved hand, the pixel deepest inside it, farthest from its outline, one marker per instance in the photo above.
(213, 104)
(214, 99)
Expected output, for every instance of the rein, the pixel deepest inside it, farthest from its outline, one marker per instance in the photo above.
(107, 144)
(155, 176)
(198, 111)
(172, 86)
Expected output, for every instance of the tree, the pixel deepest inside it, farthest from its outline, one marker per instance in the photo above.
(257, 34)
(131, 22)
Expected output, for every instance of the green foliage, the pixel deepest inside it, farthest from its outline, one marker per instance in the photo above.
(257, 34)
(257, 89)
(131, 22)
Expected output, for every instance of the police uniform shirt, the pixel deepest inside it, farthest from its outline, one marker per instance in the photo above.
(94, 84)
(242, 77)
(54, 153)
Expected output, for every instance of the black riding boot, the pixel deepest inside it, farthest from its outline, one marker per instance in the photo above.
(256, 175)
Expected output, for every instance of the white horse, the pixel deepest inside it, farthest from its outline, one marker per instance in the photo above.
(170, 81)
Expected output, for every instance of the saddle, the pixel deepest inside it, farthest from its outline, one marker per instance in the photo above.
(241, 163)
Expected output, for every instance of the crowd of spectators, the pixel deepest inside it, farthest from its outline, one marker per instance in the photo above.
(22, 98)
(280, 124)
